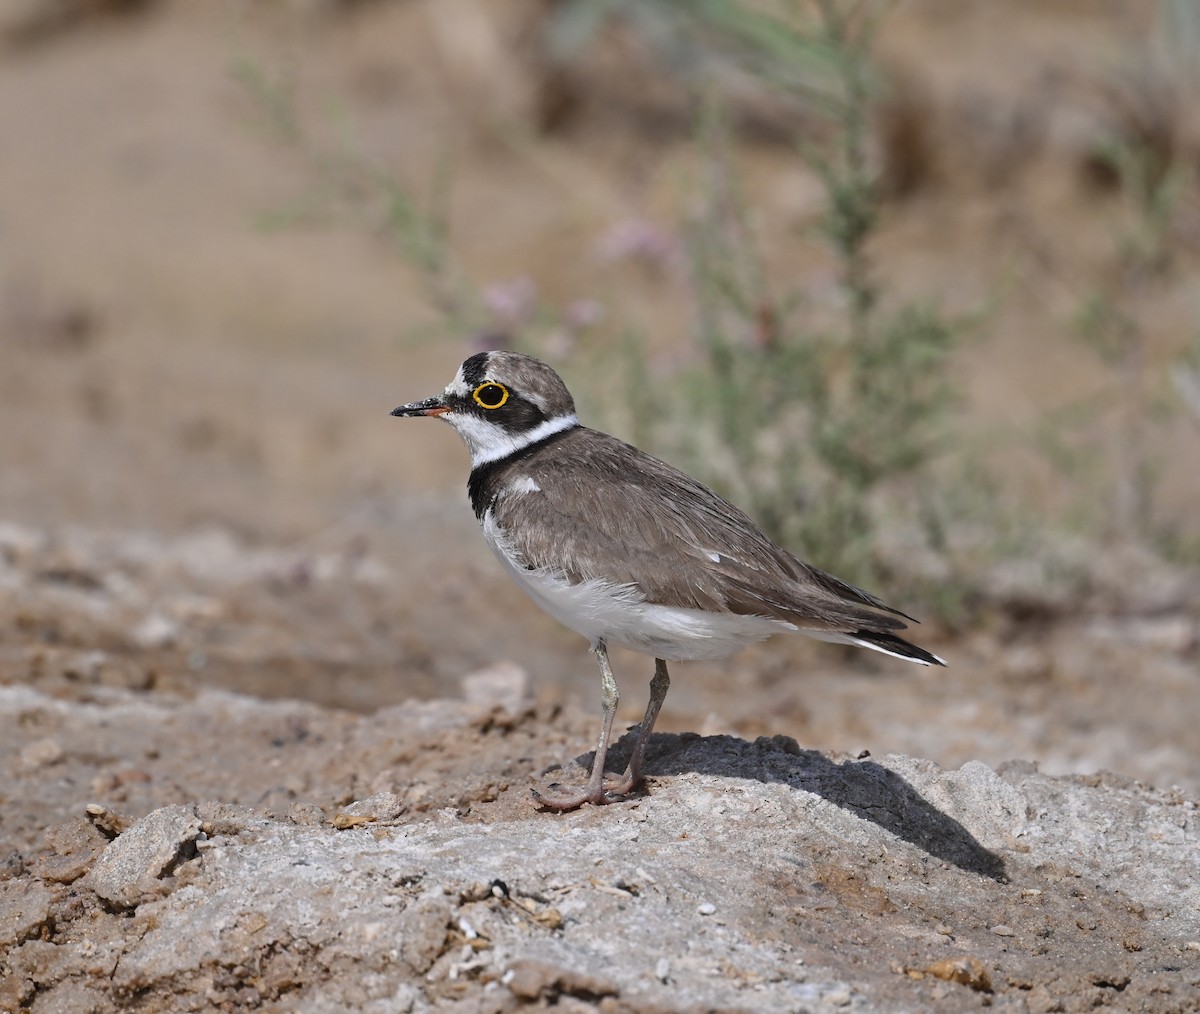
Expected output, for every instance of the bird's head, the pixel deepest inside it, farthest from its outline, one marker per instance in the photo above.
(500, 402)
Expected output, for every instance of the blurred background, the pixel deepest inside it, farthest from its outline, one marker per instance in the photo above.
(914, 283)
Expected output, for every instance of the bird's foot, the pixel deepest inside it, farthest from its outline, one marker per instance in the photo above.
(597, 795)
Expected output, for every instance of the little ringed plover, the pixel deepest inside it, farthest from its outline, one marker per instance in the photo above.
(627, 550)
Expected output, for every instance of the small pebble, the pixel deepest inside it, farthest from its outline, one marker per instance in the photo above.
(839, 996)
(41, 753)
(156, 631)
(1003, 931)
(381, 806)
(306, 814)
(504, 685)
(706, 908)
(662, 970)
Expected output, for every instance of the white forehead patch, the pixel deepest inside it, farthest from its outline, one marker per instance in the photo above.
(458, 385)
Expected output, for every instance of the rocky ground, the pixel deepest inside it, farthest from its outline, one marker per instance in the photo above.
(168, 844)
(226, 853)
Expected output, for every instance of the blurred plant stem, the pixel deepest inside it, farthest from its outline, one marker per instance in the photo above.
(1154, 173)
(850, 183)
(348, 183)
(803, 424)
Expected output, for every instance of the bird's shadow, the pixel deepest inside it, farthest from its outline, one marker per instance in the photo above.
(863, 787)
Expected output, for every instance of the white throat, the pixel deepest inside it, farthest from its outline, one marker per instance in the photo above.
(489, 442)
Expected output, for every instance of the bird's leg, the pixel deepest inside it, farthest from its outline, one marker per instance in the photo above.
(659, 686)
(594, 791)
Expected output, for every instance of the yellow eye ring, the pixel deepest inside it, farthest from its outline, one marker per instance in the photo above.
(490, 395)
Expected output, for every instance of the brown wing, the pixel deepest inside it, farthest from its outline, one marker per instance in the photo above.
(629, 517)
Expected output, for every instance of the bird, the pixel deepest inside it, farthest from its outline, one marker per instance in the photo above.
(628, 550)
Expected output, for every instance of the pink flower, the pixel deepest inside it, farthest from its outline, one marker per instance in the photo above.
(511, 303)
(641, 239)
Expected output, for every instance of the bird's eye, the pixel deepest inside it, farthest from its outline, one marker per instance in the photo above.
(490, 395)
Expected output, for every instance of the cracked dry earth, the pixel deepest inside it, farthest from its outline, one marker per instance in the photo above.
(395, 862)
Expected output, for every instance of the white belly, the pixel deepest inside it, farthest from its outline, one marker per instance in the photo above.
(619, 615)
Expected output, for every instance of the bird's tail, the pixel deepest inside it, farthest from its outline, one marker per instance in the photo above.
(890, 644)
(877, 640)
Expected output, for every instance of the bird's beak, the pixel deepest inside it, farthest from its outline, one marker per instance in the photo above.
(429, 406)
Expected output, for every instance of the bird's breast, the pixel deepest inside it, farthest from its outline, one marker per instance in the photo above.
(619, 614)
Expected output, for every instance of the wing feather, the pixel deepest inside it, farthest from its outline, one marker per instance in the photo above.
(630, 518)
